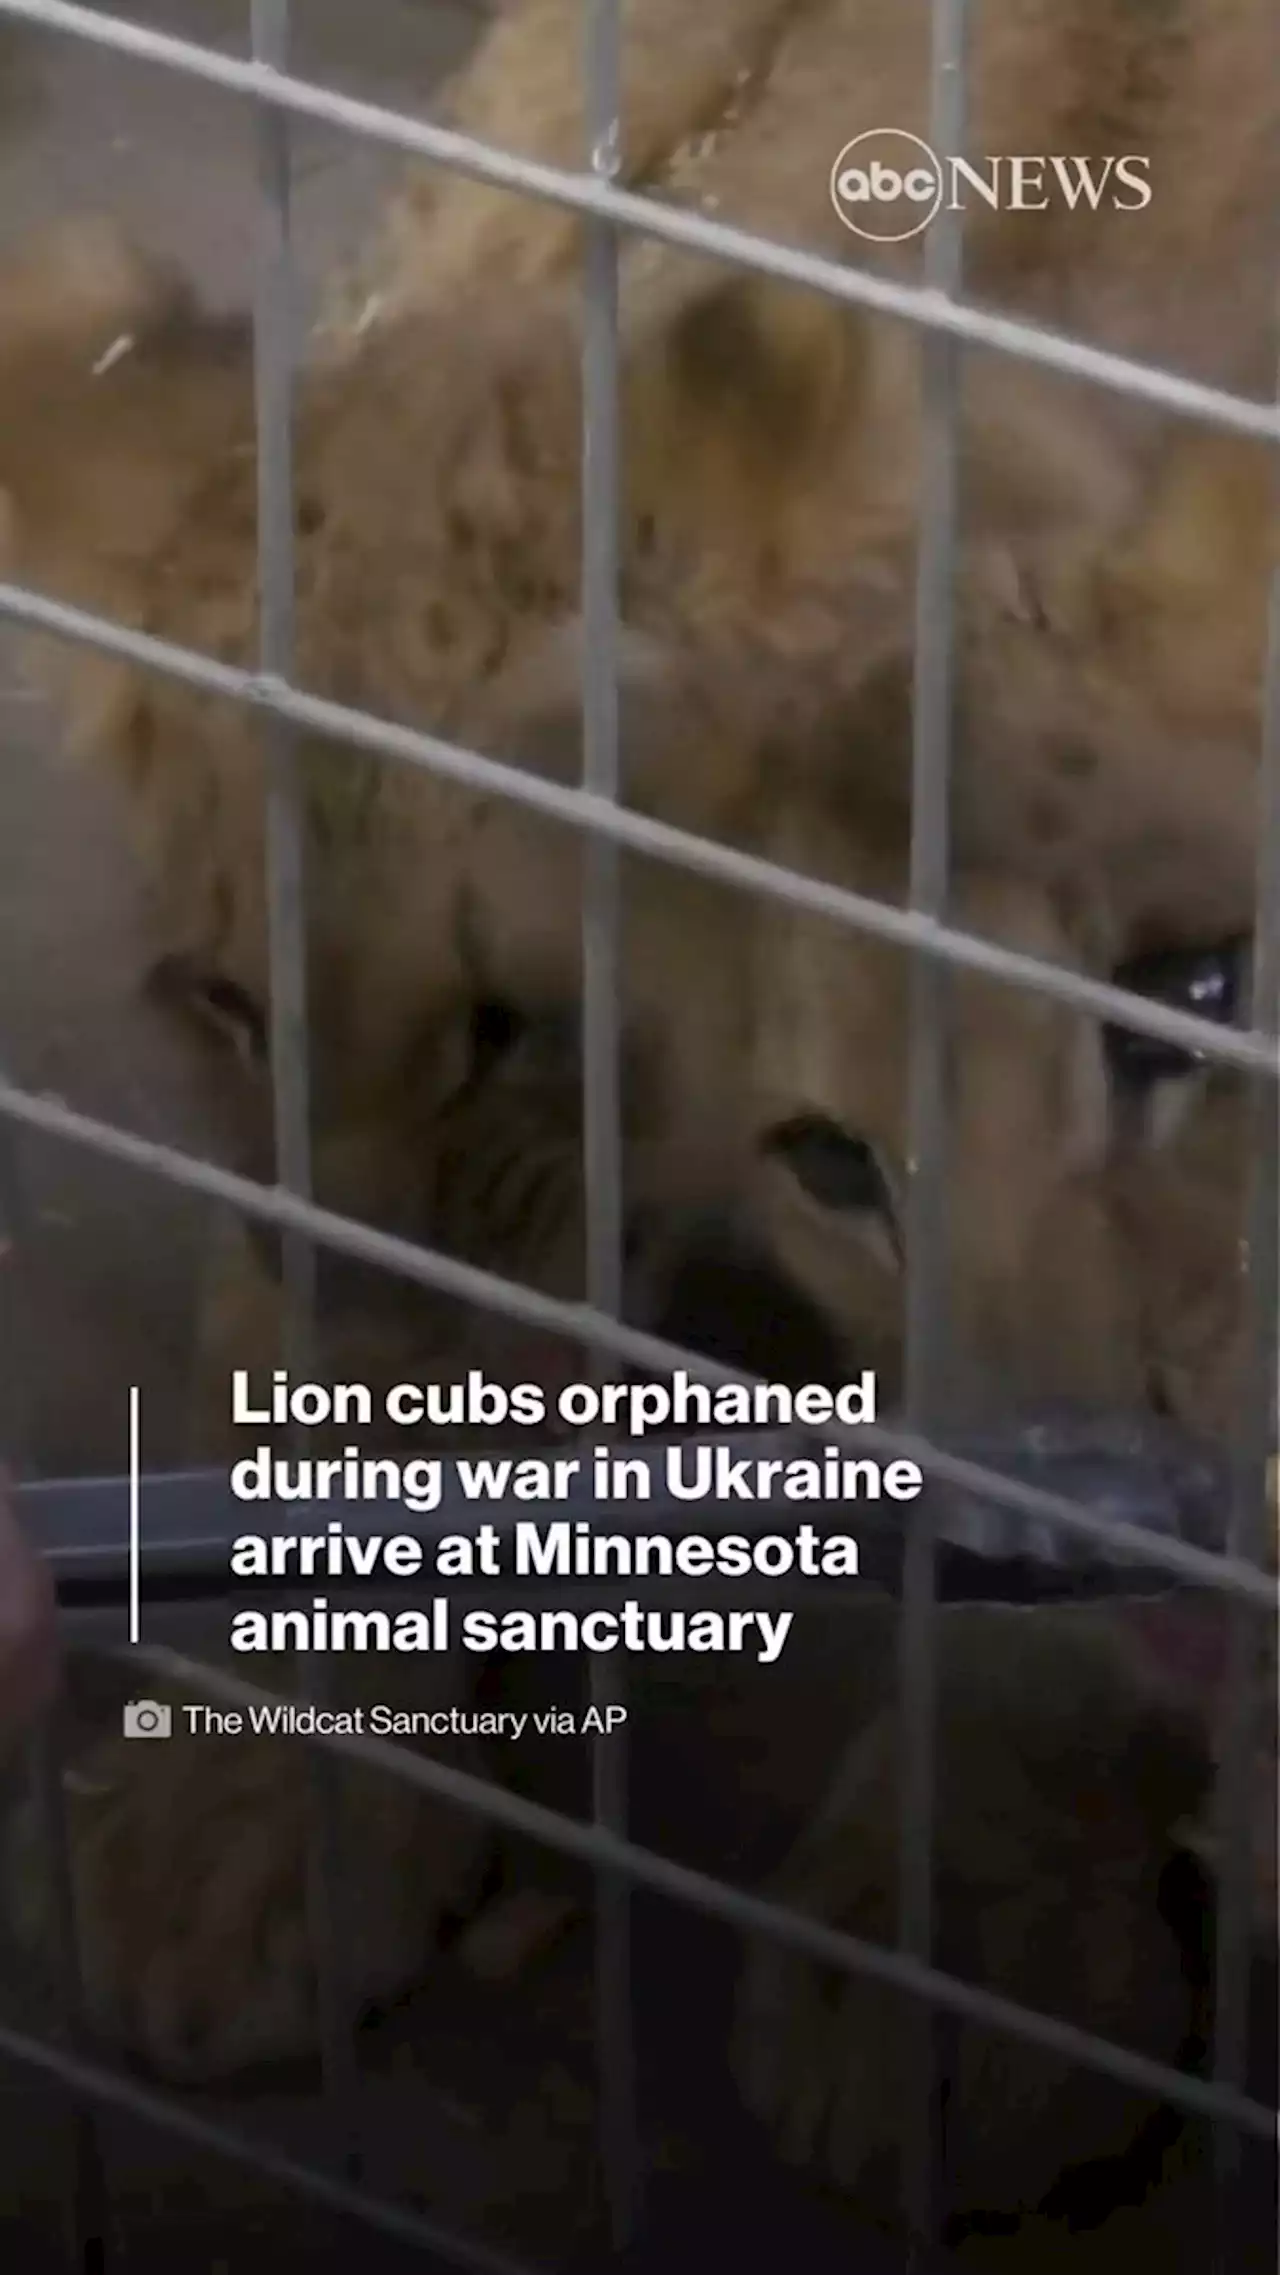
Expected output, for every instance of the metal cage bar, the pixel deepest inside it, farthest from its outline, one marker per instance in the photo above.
(274, 307)
(87, 2211)
(926, 1227)
(1251, 1520)
(602, 983)
(945, 323)
(91, 2081)
(84, 2216)
(193, 1516)
(749, 1913)
(755, 1915)
(671, 225)
(511, 1299)
(15, 1233)
(904, 928)
(273, 314)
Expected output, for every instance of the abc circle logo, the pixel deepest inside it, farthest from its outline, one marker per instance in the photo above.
(887, 185)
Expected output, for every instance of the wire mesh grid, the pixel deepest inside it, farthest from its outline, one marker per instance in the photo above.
(947, 323)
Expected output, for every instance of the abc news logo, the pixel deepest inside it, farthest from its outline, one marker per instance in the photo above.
(888, 185)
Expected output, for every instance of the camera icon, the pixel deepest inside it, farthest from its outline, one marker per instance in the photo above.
(146, 1718)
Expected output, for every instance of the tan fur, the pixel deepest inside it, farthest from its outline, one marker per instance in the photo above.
(1026, 1121)
(143, 507)
(1060, 1777)
(1182, 1211)
(1036, 1290)
(745, 110)
(1113, 640)
(1104, 1271)
(1066, 717)
(522, 91)
(437, 516)
(1111, 602)
(130, 489)
(1041, 1292)
(192, 1873)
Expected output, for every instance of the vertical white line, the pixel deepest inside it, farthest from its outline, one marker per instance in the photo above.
(135, 1529)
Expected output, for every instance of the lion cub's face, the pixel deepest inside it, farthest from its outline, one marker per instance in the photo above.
(1089, 1251)
(1037, 1304)
(1090, 1221)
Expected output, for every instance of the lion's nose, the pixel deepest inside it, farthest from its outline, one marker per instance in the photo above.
(1130, 1472)
(718, 1295)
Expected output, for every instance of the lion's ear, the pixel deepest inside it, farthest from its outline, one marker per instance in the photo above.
(750, 403)
(772, 401)
(776, 449)
(770, 366)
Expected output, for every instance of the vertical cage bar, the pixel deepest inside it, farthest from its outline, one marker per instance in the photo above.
(16, 1419)
(273, 360)
(601, 771)
(601, 1024)
(926, 1226)
(1251, 1519)
(274, 332)
(85, 2220)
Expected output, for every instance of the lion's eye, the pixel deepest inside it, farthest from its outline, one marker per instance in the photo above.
(836, 1169)
(221, 1006)
(1209, 982)
(236, 1010)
